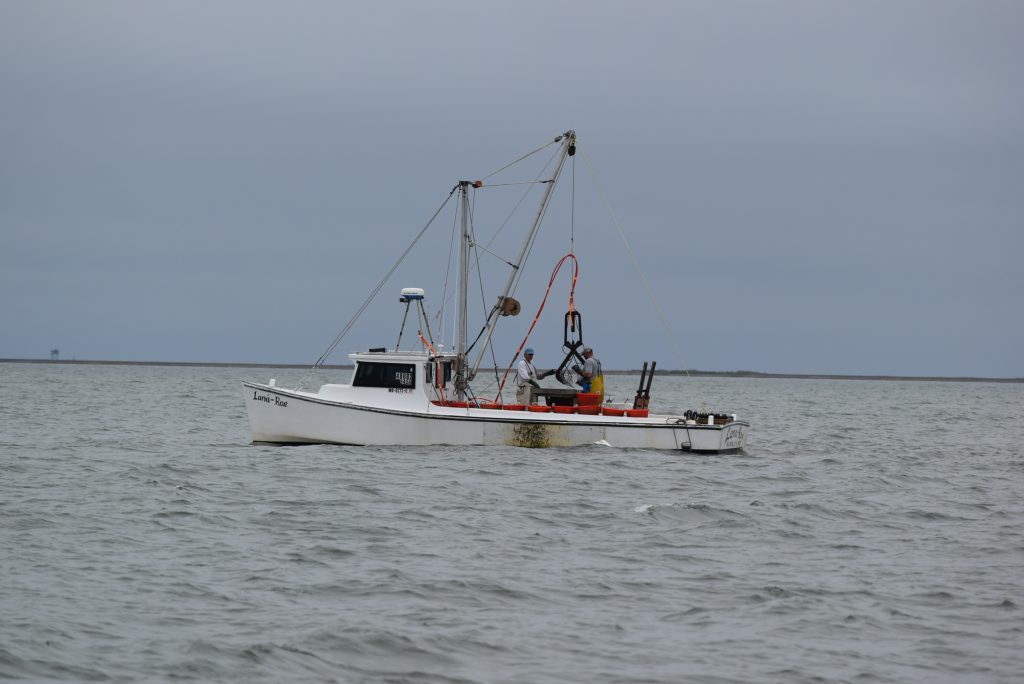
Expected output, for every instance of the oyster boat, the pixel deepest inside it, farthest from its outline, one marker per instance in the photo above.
(425, 395)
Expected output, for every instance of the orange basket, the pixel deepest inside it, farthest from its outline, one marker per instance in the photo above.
(636, 413)
(587, 399)
(613, 411)
(589, 410)
(536, 408)
(564, 409)
(513, 407)
(490, 405)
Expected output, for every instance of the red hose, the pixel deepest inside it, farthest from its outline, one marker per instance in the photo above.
(572, 292)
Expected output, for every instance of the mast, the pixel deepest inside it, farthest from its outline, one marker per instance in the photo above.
(461, 379)
(568, 140)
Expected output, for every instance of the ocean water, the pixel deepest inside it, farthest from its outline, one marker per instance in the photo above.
(872, 532)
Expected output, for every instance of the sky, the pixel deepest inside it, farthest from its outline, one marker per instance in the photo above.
(807, 186)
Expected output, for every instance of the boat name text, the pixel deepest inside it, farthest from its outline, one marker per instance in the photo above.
(734, 438)
(276, 401)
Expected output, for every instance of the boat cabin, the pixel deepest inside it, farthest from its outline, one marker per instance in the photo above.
(387, 378)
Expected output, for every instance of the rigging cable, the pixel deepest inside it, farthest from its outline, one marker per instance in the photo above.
(572, 234)
(447, 273)
(572, 208)
(528, 154)
(476, 263)
(323, 357)
(506, 185)
(536, 181)
(636, 264)
(479, 273)
(526, 257)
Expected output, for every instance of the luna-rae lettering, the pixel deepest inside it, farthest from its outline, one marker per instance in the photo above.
(734, 437)
(276, 401)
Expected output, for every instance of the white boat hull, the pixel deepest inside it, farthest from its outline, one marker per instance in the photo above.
(284, 416)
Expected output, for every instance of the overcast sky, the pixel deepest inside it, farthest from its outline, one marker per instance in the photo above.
(811, 187)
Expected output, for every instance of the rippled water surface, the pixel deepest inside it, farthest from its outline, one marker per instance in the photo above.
(873, 532)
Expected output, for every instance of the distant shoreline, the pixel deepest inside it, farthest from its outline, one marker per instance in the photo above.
(692, 373)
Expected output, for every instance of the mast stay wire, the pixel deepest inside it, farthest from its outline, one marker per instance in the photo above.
(506, 185)
(480, 279)
(387, 276)
(439, 316)
(572, 238)
(517, 276)
(536, 181)
(528, 154)
(445, 297)
(511, 213)
(636, 265)
(572, 209)
(526, 257)
(485, 248)
(348, 326)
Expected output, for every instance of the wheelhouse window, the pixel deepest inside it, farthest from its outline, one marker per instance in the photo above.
(391, 375)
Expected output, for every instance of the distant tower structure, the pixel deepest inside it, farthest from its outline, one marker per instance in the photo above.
(55, 354)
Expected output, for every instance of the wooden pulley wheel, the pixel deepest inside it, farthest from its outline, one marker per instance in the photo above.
(510, 306)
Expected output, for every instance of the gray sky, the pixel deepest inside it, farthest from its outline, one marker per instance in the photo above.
(832, 187)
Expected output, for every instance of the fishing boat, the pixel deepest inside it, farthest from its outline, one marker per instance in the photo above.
(426, 394)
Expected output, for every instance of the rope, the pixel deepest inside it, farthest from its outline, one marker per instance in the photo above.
(526, 194)
(572, 235)
(572, 208)
(528, 154)
(636, 264)
(551, 281)
(500, 258)
(380, 285)
(447, 273)
(485, 248)
(505, 185)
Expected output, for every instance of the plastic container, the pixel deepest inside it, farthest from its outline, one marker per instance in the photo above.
(613, 411)
(637, 413)
(564, 409)
(490, 405)
(537, 408)
(586, 399)
(458, 404)
(513, 407)
(589, 410)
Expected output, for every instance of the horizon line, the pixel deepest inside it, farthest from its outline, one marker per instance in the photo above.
(690, 372)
